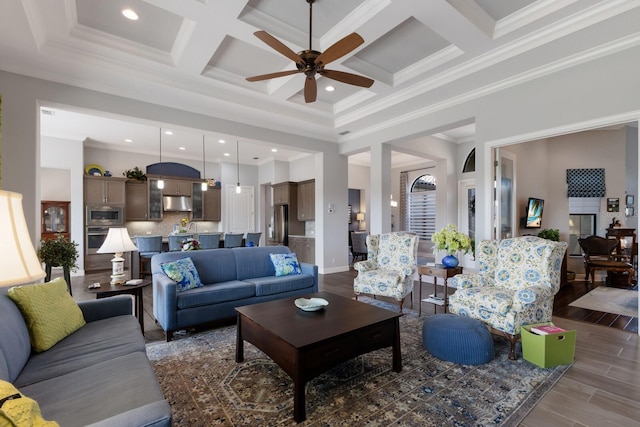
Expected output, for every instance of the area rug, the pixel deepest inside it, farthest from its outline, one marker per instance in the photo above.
(610, 300)
(206, 387)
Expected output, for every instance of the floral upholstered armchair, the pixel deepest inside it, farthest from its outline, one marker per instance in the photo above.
(389, 268)
(515, 285)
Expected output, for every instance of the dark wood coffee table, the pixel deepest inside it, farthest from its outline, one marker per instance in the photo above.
(306, 344)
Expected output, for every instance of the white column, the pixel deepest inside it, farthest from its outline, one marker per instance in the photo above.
(380, 194)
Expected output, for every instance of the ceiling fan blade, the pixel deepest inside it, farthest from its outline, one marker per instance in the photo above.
(272, 75)
(352, 79)
(276, 44)
(339, 48)
(310, 89)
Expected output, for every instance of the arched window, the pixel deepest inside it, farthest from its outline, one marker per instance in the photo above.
(470, 163)
(422, 206)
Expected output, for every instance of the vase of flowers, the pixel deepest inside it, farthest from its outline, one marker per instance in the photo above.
(190, 244)
(452, 241)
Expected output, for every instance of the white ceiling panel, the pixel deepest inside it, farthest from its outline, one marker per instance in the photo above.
(106, 16)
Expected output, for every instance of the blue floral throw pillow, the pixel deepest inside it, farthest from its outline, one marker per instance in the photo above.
(285, 264)
(183, 272)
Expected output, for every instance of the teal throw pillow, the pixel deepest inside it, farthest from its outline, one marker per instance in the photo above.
(285, 264)
(183, 272)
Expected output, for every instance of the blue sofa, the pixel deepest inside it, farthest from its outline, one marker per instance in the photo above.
(97, 376)
(231, 277)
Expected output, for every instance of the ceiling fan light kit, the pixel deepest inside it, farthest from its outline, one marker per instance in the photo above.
(311, 62)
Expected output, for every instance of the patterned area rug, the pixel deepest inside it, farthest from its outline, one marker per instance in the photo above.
(610, 300)
(206, 387)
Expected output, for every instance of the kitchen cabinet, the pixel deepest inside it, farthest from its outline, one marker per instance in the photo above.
(137, 201)
(207, 205)
(55, 219)
(154, 210)
(307, 200)
(177, 187)
(304, 248)
(104, 190)
(285, 193)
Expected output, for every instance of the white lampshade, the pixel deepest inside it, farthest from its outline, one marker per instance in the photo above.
(117, 241)
(19, 262)
(360, 216)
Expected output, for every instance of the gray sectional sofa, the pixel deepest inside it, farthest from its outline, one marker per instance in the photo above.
(231, 277)
(97, 376)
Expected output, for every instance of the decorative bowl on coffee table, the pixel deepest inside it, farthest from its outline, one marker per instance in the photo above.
(311, 304)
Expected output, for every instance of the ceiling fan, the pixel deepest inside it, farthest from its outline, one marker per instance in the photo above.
(311, 62)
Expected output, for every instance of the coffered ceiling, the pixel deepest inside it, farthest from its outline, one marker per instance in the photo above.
(195, 55)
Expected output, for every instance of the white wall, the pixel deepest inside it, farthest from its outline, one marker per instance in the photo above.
(55, 184)
(302, 169)
(67, 155)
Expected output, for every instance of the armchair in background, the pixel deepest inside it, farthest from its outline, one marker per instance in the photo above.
(392, 260)
(515, 285)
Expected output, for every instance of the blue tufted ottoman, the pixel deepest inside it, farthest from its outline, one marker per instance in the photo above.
(457, 339)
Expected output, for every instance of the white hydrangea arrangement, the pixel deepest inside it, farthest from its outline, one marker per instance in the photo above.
(190, 244)
(451, 240)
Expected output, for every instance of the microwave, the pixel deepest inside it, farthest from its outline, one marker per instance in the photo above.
(111, 216)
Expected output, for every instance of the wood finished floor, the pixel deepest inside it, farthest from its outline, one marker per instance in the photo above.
(602, 388)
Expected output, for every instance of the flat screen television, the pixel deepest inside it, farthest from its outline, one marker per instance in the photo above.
(534, 213)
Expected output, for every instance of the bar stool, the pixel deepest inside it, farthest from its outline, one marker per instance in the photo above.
(175, 241)
(209, 240)
(253, 238)
(148, 246)
(232, 240)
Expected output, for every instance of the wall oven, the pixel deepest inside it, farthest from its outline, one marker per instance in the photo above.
(95, 237)
(105, 216)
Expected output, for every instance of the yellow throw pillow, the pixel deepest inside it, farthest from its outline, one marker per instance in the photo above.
(17, 410)
(49, 312)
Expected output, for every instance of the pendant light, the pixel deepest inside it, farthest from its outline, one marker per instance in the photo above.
(238, 188)
(160, 181)
(204, 185)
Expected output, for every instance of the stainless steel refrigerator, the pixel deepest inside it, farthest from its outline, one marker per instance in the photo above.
(280, 226)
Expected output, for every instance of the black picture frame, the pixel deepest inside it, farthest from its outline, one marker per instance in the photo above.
(628, 211)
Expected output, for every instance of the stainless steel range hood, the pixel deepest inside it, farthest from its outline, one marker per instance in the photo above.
(177, 204)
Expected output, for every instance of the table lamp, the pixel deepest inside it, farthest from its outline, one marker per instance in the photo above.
(117, 242)
(360, 218)
(19, 263)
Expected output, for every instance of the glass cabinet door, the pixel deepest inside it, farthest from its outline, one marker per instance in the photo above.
(55, 219)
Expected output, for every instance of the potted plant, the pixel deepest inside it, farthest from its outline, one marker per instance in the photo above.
(135, 174)
(59, 252)
(452, 241)
(550, 234)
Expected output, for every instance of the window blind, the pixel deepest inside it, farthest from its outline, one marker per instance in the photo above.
(585, 183)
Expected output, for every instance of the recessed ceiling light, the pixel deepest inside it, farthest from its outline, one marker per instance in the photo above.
(130, 14)
(168, 132)
(181, 148)
(221, 141)
(329, 88)
(274, 150)
(226, 154)
(128, 140)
